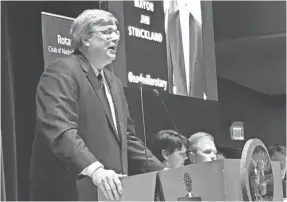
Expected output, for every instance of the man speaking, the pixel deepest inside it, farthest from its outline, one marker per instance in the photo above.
(83, 127)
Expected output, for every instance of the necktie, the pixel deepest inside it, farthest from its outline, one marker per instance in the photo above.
(100, 78)
(108, 95)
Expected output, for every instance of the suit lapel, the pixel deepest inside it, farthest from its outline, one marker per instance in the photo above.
(97, 88)
(181, 58)
(116, 99)
(174, 32)
(193, 48)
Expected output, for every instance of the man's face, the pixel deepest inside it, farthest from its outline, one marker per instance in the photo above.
(277, 156)
(103, 42)
(206, 151)
(177, 158)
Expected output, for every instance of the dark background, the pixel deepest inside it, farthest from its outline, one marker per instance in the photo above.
(144, 56)
(263, 115)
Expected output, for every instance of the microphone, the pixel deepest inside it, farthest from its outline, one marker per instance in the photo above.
(143, 122)
(156, 92)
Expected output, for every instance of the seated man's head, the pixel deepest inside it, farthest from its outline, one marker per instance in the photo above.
(201, 148)
(278, 153)
(170, 148)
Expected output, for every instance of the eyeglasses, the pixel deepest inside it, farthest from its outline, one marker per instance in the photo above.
(108, 34)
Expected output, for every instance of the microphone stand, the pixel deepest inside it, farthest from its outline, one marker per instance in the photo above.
(143, 121)
(156, 92)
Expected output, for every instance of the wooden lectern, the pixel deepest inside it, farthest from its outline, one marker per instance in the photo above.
(212, 181)
(135, 188)
(252, 178)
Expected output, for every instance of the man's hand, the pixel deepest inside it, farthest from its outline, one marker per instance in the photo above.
(108, 182)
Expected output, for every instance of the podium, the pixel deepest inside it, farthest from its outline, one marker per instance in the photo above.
(218, 180)
(212, 181)
(135, 188)
(252, 178)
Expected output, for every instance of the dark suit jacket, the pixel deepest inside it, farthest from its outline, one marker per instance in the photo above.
(284, 187)
(74, 128)
(175, 57)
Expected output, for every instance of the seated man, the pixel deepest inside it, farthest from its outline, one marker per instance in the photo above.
(278, 153)
(170, 148)
(201, 148)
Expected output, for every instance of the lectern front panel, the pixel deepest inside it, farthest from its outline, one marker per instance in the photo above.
(207, 181)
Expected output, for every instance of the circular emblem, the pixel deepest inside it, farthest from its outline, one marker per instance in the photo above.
(256, 172)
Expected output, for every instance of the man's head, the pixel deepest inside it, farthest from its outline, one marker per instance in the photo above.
(201, 148)
(95, 33)
(278, 153)
(170, 148)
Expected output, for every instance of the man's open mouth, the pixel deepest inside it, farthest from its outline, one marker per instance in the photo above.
(112, 48)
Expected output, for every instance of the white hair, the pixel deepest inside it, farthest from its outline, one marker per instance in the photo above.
(84, 23)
